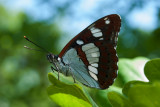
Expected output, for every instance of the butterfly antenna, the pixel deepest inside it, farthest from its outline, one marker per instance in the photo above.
(34, 44)
(33, 49)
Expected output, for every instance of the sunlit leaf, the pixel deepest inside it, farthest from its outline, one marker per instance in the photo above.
(131, 69)
(66, 95)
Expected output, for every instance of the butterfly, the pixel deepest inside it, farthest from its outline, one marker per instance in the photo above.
(90, 57)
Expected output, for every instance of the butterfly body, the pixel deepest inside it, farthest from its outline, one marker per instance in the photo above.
(90, 57)
(73, 66)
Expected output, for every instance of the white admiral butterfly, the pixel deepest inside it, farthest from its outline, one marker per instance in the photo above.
(90, 57)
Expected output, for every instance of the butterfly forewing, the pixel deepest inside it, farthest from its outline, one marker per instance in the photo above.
(95, 47)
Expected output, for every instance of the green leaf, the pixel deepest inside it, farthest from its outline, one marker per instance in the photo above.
(117, 100)
(130, 85)
(138, 93)
(145, 95)
(100, 97)
(152, 70)
(66, 95)
(131, 69)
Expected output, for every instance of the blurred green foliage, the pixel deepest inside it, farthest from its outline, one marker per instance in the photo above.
(23, 73)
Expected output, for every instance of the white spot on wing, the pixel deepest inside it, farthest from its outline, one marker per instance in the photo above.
(117, 33)
(93, 75)
(93, 69)
(92, 50)
(88, 46)
(95, 30)
(92, 53)
(79, 42)
(117, 55)
(92, 28)
(101, 39)
(94, 64)
(107, 21)
(98, 34)
(116, 37)
(92, 60)
(106, 18)
(95, 54)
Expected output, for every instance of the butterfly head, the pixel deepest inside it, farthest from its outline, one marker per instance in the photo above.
(55, 60)
(52, 58)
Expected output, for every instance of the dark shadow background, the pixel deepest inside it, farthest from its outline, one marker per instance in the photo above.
(51, 24)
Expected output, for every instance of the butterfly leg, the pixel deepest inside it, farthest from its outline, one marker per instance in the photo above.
(74, 80)
(57, 71)
(53, 69)
(72, 75)
(58, 75)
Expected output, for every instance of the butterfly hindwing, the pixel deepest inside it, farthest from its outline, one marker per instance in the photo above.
(95, 59)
